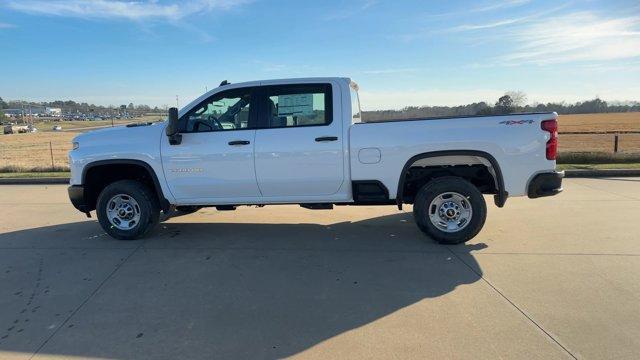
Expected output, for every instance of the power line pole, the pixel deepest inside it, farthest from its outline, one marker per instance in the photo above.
(177, 103)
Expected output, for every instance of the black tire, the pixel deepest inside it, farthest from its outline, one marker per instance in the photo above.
(439, 186)
(149, 209)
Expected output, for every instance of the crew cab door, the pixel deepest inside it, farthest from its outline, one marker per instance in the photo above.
(299, 152)
(215, 159)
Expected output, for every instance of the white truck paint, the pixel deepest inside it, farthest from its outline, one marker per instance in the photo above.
(267, 159)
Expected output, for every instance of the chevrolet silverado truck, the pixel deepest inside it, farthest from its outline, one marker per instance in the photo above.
(304, 141)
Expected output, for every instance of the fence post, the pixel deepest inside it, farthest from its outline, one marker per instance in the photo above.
(615, 144)
(51, 152)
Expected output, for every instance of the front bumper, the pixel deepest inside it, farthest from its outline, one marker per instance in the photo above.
(545, 184)
(78, 199)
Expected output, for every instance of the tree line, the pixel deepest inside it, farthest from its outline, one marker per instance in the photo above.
(72, 107)
(511, 102)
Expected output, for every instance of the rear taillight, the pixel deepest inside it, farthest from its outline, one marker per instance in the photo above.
(552, 145)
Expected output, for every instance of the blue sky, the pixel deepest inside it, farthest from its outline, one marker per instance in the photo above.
(400, 52)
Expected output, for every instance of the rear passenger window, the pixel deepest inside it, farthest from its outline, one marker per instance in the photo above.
(298, 105)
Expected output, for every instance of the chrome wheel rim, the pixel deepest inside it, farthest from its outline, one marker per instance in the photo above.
(450, 212)
(123, 212)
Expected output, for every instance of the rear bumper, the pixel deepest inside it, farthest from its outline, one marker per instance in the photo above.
(545, 184)
(78, 199)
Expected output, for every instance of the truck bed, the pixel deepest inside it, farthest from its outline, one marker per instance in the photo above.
(516, 141)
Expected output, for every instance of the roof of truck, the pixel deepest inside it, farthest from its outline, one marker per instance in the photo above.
(287, 81)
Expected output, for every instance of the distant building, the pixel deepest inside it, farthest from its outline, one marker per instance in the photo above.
(33, 110)
(53, 111)
(12, 112)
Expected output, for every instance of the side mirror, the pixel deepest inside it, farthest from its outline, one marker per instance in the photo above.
(173, 129)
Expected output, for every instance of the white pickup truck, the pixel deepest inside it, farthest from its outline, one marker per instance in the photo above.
(303, 141)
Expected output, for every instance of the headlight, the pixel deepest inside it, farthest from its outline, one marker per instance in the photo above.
(76, 145)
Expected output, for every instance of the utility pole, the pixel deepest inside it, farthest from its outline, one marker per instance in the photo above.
(177, 103)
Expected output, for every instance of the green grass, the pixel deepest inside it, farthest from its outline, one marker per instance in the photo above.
(31, 175)
(598, 166)
(38, 169)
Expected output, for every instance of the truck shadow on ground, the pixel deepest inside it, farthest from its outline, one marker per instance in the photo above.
(220, 290)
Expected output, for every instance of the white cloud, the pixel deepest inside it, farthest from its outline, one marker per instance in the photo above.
(498, 5)
(6, 25)
(501, 5)
(581, 36)
(471, 27)
(132, 10)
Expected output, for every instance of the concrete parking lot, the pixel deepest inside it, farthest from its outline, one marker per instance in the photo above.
(547, 278)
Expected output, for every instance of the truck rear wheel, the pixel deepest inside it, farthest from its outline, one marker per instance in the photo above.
(127, 210)
(450, 210)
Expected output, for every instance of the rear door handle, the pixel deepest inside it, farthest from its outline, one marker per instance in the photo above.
(240, 142)
(326, 138)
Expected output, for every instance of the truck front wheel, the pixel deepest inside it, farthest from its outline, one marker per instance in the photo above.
(127, 210)
(450, 210)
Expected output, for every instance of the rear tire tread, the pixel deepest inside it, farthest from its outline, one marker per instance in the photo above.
(449, 184)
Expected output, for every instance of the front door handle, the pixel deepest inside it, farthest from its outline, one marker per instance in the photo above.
(240, 142)
(326, 138)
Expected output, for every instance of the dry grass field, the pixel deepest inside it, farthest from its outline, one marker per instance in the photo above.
(34, 151)
(31, 151)
(628, 143)
(24, 152)
(600, 122)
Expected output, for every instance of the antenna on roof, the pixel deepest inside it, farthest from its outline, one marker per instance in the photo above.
(225, 82)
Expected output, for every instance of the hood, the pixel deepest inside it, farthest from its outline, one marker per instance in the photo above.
(121, 134)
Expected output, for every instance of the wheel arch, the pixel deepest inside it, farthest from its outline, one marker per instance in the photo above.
(500, 197)
(116, 163)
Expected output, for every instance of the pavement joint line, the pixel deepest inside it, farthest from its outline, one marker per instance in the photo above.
(515, 306)
(95, 291)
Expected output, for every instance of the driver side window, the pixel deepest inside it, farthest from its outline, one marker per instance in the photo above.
(229, 110)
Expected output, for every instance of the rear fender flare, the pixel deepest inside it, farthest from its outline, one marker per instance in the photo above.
(500, 198)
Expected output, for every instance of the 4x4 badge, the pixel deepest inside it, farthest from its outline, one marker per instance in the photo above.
(516, 122)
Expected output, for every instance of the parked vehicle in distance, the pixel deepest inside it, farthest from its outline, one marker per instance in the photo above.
(303, 141)
(57, 128)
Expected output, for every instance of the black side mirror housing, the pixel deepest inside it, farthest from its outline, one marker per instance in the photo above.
(173, 128)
